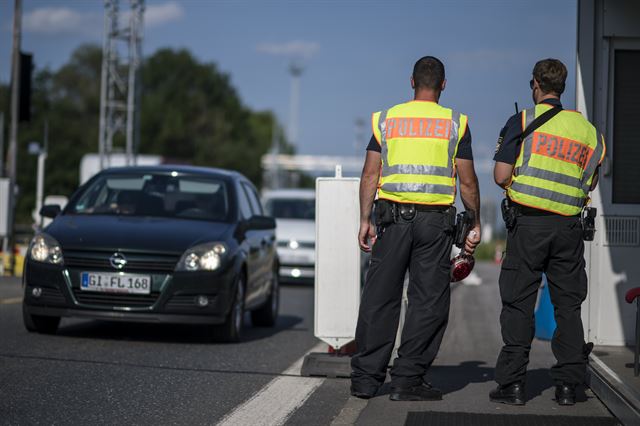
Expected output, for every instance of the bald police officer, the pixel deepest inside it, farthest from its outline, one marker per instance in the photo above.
(417, 151)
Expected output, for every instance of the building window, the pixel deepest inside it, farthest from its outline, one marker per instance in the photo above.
(626, 128)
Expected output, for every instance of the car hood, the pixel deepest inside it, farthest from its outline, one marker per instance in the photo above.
(295, 229)
(148, 234)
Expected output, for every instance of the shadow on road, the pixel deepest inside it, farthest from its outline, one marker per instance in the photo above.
(170, 333)
(452, 378)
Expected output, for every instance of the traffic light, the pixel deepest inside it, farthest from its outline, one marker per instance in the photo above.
(26, 71)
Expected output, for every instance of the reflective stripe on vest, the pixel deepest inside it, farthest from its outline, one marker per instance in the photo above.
(556, 163)
(418, 183)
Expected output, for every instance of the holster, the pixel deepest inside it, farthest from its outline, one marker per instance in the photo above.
(588, 223)
(384, 213)
(509, 214)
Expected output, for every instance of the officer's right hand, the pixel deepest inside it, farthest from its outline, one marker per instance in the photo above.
(473, 239)
(367, 234)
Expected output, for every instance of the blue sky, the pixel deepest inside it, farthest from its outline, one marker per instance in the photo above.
(358, 55)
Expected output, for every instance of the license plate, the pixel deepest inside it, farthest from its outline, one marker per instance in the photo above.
(298, 259)
(115, 282)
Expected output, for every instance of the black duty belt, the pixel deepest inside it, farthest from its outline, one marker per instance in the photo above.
(420, 207)
(530, 211)
(428, 208)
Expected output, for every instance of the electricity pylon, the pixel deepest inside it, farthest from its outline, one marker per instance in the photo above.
(119, 89)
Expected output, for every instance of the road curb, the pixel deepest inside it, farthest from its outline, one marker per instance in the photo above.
(619, 398)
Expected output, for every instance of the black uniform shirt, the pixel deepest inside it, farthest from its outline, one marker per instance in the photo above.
(464, 147)
(508, 147)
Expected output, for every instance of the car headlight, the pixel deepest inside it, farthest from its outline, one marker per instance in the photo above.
(44, 248)
(203, 257)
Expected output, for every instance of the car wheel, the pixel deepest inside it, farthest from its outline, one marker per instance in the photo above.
(267, 314)
(39, 323)
(231, 329)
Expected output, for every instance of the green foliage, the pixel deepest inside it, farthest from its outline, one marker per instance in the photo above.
(487, 251)
(189, 114)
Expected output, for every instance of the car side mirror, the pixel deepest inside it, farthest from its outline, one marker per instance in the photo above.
(262, 222)
(50, 210)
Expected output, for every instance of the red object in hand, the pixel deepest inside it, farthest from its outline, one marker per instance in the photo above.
(632, 294)
(461, 267)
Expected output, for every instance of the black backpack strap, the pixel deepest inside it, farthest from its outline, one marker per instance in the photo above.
(539, 121)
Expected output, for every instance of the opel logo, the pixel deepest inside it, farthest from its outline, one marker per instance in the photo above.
(118, 260)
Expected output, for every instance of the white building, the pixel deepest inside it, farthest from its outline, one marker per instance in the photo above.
(608, 94)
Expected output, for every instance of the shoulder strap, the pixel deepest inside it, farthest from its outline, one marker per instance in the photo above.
(539, 121)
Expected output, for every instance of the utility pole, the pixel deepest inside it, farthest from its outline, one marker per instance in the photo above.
(12, 154)
(119, 88)
(295, 69)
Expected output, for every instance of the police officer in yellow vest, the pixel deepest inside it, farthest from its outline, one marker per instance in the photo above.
(417, 151)
(547, 176)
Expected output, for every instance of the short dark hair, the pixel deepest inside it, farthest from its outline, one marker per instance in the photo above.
(428, 73)
(551, 75)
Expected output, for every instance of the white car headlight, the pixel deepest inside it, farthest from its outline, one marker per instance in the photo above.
(203, 257)
(44, 248)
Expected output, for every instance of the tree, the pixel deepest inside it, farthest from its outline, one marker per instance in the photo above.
(190, 113)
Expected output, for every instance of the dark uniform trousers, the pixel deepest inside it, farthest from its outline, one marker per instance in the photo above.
(552, 245)
(423, 246)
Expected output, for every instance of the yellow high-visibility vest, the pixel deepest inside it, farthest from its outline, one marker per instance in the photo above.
(557, 162)
(419, 141)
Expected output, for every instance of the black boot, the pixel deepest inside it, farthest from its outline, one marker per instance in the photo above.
(565, 394)
(421, 392)
(512, 394)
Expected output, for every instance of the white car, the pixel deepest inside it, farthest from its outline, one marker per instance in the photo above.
(295, 214)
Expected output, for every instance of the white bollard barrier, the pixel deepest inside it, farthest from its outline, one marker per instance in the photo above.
(337, 285)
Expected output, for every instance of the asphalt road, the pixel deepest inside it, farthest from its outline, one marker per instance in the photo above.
(95, 372)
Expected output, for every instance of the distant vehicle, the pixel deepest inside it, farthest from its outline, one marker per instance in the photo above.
(170, 244)
(295, 214)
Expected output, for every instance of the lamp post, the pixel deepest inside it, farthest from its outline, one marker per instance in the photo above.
(295, 69)
(41, 152)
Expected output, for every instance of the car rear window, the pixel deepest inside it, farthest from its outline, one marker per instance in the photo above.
(292, 208)
(163, 195)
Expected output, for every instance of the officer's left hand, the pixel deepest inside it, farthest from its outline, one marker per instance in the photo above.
(473, 239)
(367, 234)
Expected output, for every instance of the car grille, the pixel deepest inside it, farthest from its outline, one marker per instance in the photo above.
(135, 262)
(49, 296)
(181, 302)
(111, 299)
(52, 296)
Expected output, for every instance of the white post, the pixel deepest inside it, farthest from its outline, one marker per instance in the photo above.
(42, 157)
(1, 144)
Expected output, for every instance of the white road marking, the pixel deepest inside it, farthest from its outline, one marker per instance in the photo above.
(350, 412)
(472, 279)
(10, 300)
(278, 399)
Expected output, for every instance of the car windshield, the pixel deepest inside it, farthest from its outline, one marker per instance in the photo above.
(292, 208)
(148, 194)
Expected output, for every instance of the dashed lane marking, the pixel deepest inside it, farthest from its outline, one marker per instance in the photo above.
(11, 301)
(278, 399)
